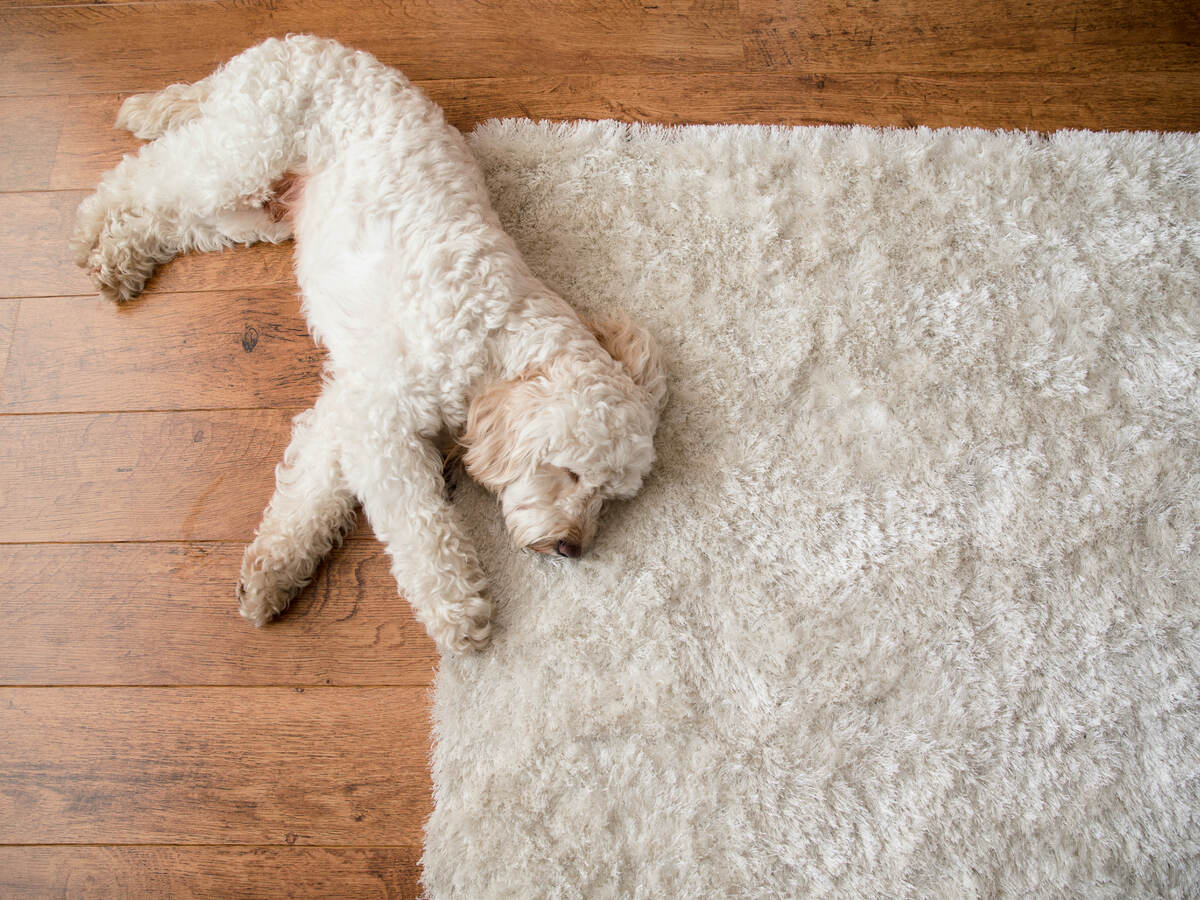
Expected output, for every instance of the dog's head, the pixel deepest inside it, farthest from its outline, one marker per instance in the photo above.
(558, 441)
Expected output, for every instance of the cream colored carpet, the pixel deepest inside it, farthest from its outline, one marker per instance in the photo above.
(910, 605)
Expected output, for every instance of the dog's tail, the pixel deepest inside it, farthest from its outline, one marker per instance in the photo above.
(152, 115)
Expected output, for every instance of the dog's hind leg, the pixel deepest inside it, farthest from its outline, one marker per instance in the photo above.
(131, 244)
(309, 514)
(199, 186)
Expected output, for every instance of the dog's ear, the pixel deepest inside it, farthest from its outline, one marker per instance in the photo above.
(633, 347)
(492, 455)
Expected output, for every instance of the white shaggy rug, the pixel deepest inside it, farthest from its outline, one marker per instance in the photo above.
(910, 605)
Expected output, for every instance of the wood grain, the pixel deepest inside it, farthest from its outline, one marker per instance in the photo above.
(166, 351)
(126, 47)
(1160, 102)
(9, 310)
(164, 614)
(138, 476)
(40, 223)
(257, 873)
(85, 49)
(323, 766)
(34, 229)
(940, 36)
(56, 143)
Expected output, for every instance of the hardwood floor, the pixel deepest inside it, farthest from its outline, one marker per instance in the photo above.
(151, 742)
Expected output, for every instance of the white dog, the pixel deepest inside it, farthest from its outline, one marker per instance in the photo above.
(434, 324)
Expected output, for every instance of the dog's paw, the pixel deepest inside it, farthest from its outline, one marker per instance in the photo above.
(111, 283)
(262, 594)
(465, 628)
(102, 245)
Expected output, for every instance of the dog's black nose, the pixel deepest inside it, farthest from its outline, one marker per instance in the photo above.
(568, 549)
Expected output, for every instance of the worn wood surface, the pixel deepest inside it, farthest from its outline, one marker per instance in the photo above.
(165, 351)
(266, 765)
(1057, 36)
(86, 49)
(137, 445)
(211, 873)
(165, 614)
(8, 321)
(138, 476)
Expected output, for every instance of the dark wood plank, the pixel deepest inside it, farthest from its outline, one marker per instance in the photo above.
(82, 49)
(323, 766)
(138, 476)
(942, 36)
(258, 873)
(164, 614)
(38, 227)
(1158, 102)
(85, 48)
(166, 351)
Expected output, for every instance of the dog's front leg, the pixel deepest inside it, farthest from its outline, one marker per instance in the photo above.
(312, 509)
(398, 478)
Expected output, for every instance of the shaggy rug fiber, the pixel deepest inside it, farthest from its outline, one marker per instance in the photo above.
(910, 605)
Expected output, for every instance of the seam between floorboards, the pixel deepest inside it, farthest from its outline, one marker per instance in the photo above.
(303, 686)
(353, 538)
(151, 411)
(557, 117)
(656, 74)
(92, 4)
(273, 285)
(284, 846)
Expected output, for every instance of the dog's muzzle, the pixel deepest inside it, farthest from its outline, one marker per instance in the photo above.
(565, 548)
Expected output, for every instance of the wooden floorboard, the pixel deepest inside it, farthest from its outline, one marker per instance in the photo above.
(212, 873)
(132, 47)
(187, 476)
(270, 765)
(127, 47)
(1056, 36)
(8, 321)
(165, 614)
(1158, 102)
(60, 142)
(154, 744)
(34, 230)
(166, 351)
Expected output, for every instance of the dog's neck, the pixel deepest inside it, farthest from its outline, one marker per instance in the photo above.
(539, 328)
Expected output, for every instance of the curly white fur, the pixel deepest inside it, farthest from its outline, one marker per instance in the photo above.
(433, 323)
